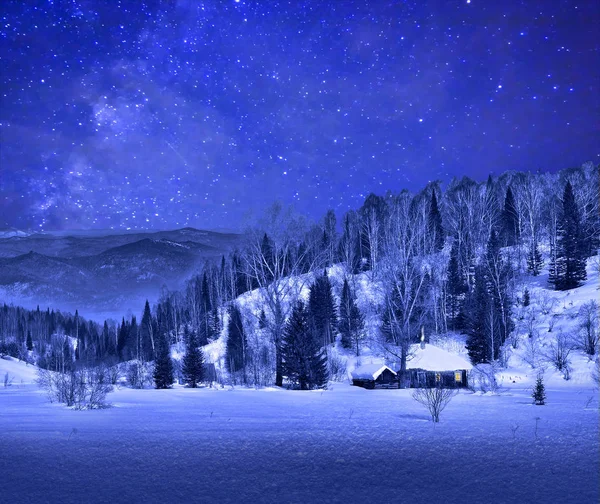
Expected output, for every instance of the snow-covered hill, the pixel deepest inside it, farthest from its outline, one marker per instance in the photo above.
(557, 310)
(16, 372)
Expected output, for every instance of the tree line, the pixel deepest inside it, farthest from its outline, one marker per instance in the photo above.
(445, 260)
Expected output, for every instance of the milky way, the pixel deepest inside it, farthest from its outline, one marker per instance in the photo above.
(131, 114)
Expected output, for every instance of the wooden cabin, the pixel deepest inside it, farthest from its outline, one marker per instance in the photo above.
(430, 366)
(375, 376)
(423, 378)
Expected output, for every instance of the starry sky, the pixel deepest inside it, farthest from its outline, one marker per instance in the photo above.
(139, 114)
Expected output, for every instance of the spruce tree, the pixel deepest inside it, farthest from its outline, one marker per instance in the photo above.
(534, 259)
(322, 310)
(304, 362)
(163, 366)
(476, 314)
(569, 263)
(193, 361)
(510, 219)
(434, 224)
(539, 392)
(237, 350)
(526, 297)
(29, 342)
(147, 345)
(351, 322)
(456, 288)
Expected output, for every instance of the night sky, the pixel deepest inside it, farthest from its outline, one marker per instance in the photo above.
(131, 114)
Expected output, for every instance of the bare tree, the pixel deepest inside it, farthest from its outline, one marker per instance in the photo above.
(558, 354)
(434, 399)
(273, 261)
(404, 275)
(588, 336)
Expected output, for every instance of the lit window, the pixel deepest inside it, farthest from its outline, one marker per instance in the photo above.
(457, 376)
(438, 377)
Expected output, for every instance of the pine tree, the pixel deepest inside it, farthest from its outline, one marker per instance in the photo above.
(569, 263)
(434, 226)
(526, 297)
(510, 219)
(539, 392)
(193, 361)
(29, 341)
(534, 259)
(322, 310)
(237, 350)
(147, 346)
(304, 362)
(351, 322)
(262, 320)
(456, 288)
(163, 366)
(476, 314)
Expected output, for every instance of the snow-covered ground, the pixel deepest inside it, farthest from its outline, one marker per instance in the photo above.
(342, 445)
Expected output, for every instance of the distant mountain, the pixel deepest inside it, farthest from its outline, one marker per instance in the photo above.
(106, 273)
(86, 244)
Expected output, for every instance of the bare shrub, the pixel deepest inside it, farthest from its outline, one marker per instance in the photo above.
(81, 388)
(482, 378)
(7, 380)
(588, 336)
(434, 399)
(558, 354)
(139, 374)
(532, 353)
(337, 367)
(546, 302)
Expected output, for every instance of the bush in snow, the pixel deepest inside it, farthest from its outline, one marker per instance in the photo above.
(139, 374)
(539, 391)
(532, 354)
(80, 388)
(337, 367)
(434, 399)
(482, 378)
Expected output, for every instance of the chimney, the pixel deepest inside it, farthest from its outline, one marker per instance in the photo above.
(422, 338)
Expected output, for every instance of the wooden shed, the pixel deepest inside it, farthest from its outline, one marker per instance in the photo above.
(374, 376)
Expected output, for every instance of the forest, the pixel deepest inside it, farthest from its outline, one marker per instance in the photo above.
(446, 260)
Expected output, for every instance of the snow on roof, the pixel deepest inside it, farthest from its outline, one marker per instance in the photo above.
(433, 358)
(369, 371)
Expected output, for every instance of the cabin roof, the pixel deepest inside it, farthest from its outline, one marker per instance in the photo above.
(370, 371)
(432, 358)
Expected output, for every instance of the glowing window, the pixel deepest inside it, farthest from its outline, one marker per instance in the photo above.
(458, 376)
(438, 377)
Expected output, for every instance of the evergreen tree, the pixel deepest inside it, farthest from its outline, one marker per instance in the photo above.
(163, 366)
(351, 322)
(534, 259)
(237, 349)
(456, 288)
(304, 362)
(569, 263)
(434, 225)
(510, 219)
(476, 314)
(322, 310)
(206, 330)
(193, 361)
(262, 320)
(147, 347)
(29, 341)
(526, 297)
(539, 391)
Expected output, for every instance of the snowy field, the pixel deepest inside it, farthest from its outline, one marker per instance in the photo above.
(342, 445)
